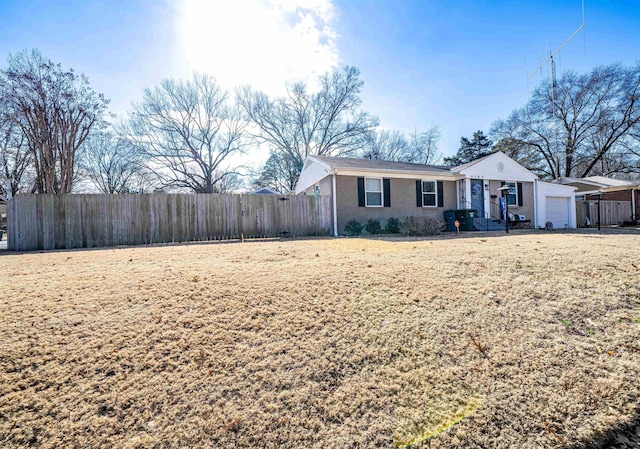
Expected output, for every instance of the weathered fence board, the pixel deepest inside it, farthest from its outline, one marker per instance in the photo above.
(611, 212)
(37, 222)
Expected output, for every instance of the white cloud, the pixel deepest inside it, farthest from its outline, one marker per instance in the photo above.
(264, 43)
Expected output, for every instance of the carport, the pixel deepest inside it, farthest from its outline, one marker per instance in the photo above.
(555, 203)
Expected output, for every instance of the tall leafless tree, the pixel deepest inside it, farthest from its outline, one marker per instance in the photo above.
(112, 164)
(423, 146)
(301, 123)
(189, 133)
(387, 145)
(16, 175)
(55, 110)
(574, 123)
(418, 147)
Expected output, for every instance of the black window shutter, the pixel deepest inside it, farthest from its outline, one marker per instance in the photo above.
(419, 193)
(386, 189)
(360, 192)
(440, 194)
(520, 194)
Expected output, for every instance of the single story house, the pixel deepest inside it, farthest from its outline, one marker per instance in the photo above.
(606, 189)
(362, 189)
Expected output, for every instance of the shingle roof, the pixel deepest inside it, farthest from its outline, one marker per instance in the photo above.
(265, 191)
(608, 181)
(376, 164)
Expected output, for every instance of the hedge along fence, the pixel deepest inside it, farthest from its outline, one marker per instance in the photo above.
(41, 222)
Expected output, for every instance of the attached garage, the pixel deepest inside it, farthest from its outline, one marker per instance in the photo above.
(555, 203)
(558, 211)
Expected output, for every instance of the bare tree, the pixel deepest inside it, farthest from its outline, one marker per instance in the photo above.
(387, 145)
(325, 123)
(279, 173)
(189, 133)
(418, 147)
(574, 123)
(423, 146)
(55, 110)
(112, 164)
(15, 160)
(229, 183)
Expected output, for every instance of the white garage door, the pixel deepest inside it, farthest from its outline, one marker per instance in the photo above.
(558, 211)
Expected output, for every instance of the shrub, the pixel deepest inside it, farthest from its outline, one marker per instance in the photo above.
(353, 227)
(392, 226)
(373, 226)
(410, 226)
(431, 226)
(420, 226)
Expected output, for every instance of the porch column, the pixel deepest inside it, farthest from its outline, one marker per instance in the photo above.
(459, 193)
(466, 204)
(486, 195)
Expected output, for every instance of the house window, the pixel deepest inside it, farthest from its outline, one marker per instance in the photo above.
(512, 197)
(429, 193)
(373, 192)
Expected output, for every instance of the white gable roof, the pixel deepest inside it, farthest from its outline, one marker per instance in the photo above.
(497, 166)
(312, 172)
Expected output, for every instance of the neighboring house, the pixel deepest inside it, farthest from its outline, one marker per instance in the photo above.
(265, 191)
(362, 189)
(591, 184)
(606, 189)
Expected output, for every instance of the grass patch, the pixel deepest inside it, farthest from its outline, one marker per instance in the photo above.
(322, 343)
(437, 417)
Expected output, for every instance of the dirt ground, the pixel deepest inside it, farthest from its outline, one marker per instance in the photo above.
(528, 340)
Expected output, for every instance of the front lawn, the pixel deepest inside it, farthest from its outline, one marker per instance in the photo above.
(527, 340)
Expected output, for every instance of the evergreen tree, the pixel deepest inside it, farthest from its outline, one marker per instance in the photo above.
(470, 150)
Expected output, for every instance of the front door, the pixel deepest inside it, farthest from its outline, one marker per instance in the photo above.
(477, 196)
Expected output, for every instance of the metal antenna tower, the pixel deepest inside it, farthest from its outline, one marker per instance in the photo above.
(553, 64)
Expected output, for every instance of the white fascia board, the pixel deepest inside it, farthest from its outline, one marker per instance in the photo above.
(311, 175)
(403, 174)
(552, 186)
(620, 188)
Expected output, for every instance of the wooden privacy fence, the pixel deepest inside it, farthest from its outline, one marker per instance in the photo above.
(83, 221)
(611, 212)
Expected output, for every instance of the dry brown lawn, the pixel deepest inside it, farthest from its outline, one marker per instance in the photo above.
(528, 340)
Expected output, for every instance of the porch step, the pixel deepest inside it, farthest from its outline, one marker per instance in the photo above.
(492, 225)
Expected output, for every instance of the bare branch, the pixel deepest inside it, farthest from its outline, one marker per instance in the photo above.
(188, 132)
(299, 124)
(55, 111)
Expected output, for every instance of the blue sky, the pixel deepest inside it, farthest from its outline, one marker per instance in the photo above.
(459, 64)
